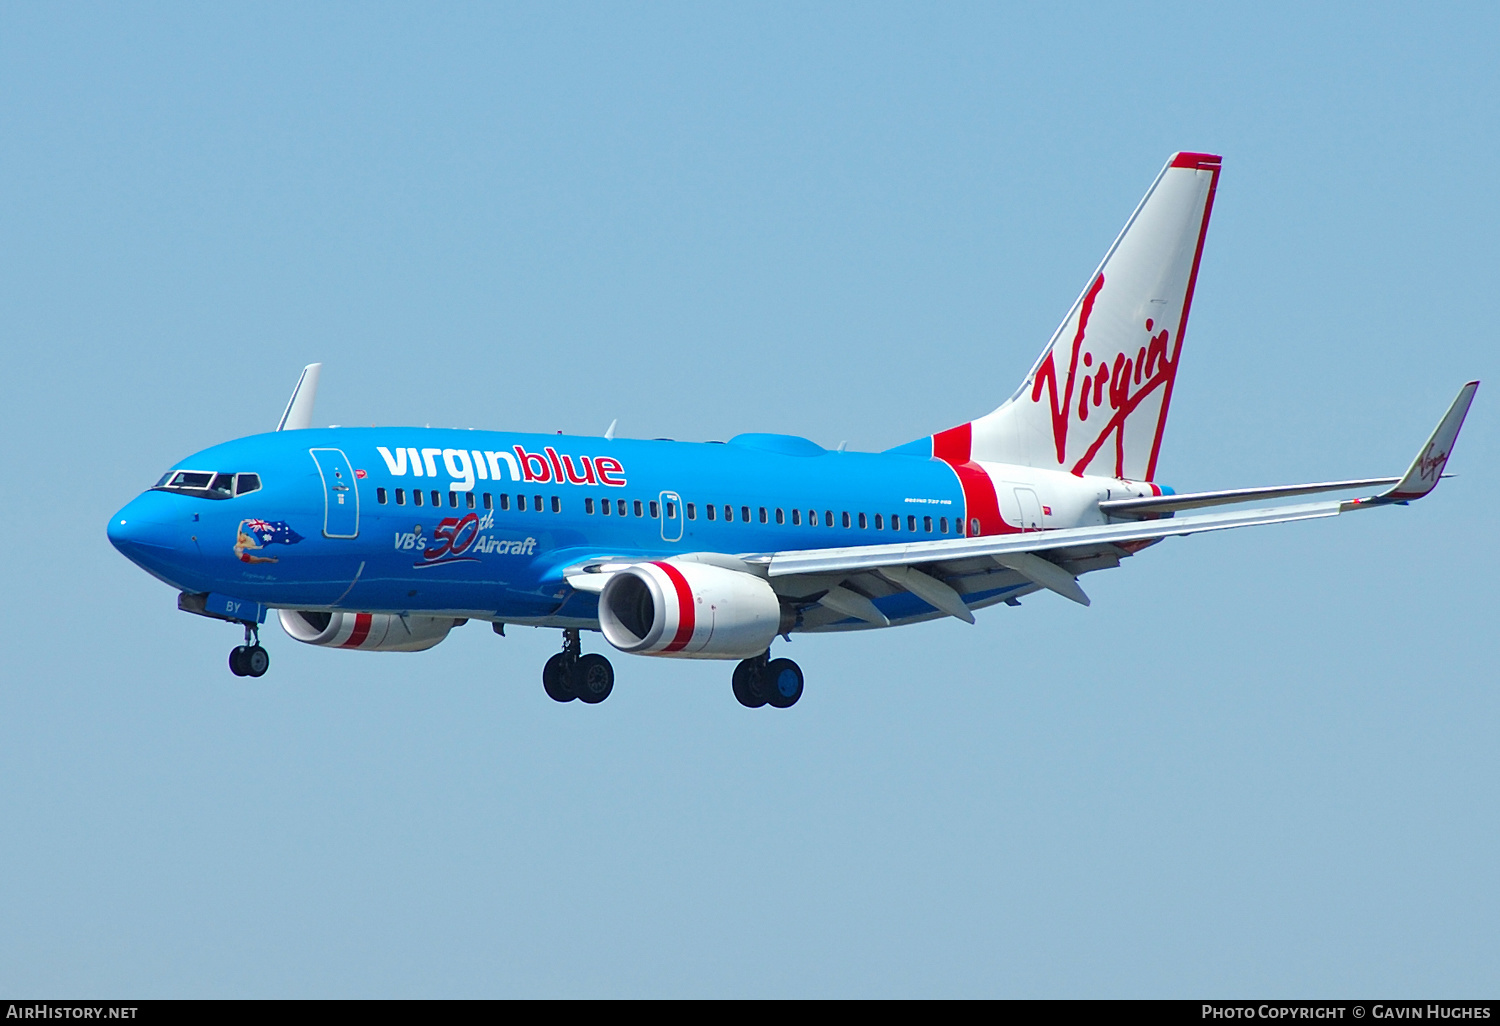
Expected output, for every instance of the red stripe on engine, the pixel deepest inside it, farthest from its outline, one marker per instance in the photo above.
(361, 631)
(684, 607)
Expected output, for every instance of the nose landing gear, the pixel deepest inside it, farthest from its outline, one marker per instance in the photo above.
(249, 659)
(569, 675)
(766, 681)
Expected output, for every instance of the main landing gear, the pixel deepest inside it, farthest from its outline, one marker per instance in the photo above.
(569, 675)
(766, 681)
(249, 659)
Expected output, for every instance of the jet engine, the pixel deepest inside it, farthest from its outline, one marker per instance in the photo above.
(690, 610)
(369, 632)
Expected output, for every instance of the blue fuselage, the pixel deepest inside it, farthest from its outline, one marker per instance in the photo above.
(483, 523)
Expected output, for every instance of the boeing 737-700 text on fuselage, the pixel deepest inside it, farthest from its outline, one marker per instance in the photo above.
(384, 539)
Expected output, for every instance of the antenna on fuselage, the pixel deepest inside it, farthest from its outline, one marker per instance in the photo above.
(609, 432)
(299, 408)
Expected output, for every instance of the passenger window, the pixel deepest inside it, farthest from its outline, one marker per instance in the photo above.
(895, 521)
(942, 525)
(416, 496)
(453, 499)
(745, 513)
(557, 503)
(864, 524)
(692, 512)
(927, 524)
(828, 518)
(845, 520)
(504, 501)
(469, 499)
(489, 501)
(521, 503)
(780, 516)
(401, 496)
(974, 526)
(728, 514)
(671, 510)
(655, 510)
(620, 506)
(879, 523)
(380, 496)
(536, 503)
(796, 518)
(763, 517)
(711, 511)
(637, 507)
(244, 483)
(812, 518)
(606, 507)
(437, 499)
(588, 504)
(911, 523)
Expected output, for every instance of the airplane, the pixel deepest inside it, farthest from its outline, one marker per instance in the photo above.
(384, 539)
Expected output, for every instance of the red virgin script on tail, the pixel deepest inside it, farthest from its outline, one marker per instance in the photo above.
(1431, 464)
(1111, 390)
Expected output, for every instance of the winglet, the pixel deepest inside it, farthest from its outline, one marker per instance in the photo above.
(299, 408)
(1427, 469)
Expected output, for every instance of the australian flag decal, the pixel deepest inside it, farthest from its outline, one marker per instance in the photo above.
(254, 535)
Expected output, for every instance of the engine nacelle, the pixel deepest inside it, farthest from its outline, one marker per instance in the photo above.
(691, 610)
(368, 632)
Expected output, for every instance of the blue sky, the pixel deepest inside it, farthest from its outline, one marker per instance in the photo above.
(1259, 764)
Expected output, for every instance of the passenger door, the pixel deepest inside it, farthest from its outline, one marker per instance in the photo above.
(671, 517)
(340, 493)
(1031, 509)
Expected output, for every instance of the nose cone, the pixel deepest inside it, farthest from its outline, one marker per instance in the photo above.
(148, 530)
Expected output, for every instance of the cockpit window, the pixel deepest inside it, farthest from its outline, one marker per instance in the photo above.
(207, 484)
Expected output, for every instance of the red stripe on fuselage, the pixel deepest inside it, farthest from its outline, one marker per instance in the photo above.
(954, 448)
(361, 631)
(684, 607)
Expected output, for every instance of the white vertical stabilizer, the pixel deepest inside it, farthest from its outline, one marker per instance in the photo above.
(1096, 401)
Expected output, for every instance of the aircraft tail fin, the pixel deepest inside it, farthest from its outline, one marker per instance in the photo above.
(1096, 400)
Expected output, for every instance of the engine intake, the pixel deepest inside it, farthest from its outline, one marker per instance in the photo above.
(689, 610)
(368, 632)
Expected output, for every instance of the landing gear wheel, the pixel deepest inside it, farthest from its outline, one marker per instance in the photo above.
(783, 683)
(593, 678)
(237, 660)
(749, 683)
(256, 661)
(557, 680)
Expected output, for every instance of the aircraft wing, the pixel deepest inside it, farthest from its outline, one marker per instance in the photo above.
(940, 572)
(844, 580)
